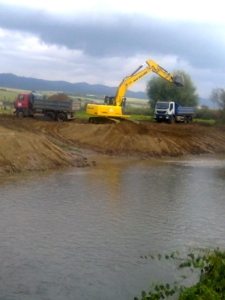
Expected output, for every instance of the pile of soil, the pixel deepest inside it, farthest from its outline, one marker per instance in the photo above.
(59, 96)
(30, 144)
(30, 150)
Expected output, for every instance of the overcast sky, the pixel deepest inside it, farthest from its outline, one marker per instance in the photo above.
(102, 41)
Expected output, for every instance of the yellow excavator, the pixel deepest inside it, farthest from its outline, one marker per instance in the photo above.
(112, 109)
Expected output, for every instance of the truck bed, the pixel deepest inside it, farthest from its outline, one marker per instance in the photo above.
(182, 110)
(69, 105)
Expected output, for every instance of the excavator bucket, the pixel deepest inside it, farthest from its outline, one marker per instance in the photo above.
(178, 80)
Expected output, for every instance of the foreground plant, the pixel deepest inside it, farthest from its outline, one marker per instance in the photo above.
(211, 284)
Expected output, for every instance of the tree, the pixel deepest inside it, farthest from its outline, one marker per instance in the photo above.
(218, 97)
(158, 89)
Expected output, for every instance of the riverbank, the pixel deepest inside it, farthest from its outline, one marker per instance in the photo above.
(33, 145)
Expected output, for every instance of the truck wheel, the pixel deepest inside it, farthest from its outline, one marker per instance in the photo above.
(186, 120)
(172, 120)
(50, 115)
(19, 114)
(61, 117)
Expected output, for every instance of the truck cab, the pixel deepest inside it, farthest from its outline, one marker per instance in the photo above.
(164, 111)
(23, 104)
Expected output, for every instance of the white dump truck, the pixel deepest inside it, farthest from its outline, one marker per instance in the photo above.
(171, 112)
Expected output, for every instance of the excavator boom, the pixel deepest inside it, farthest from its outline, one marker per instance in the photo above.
(175, 79)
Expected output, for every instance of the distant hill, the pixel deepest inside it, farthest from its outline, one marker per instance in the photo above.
(8, 80)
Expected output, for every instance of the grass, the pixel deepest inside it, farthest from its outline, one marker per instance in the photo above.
(141, 117)
(82, 115)
(205, 122)
(6, 111)
(8, 95)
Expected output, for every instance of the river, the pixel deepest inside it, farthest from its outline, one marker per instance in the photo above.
(82, 233)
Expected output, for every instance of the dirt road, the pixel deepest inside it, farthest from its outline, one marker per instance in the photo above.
(31, 144)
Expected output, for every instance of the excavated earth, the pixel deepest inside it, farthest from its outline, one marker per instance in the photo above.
(35, 144)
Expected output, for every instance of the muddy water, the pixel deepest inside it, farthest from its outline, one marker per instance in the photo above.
(80, 234)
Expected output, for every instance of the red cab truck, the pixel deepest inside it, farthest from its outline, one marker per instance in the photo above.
(58, 107)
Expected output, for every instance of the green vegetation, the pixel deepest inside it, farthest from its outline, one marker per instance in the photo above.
(8, 95)
(7, 98)
(137, 117)
(82, 115)
(218, 97)
(205, 113)
(137, 110)
(210, 116)
(211, 283)
(159, 89)
(209, 122)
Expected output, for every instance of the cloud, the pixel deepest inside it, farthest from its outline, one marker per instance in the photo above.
(105, 48)
(201, 45)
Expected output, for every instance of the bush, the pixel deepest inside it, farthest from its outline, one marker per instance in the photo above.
(211, 284)
(207, 114)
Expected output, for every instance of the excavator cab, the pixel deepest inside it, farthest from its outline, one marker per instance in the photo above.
(178, 80)
(109, 100)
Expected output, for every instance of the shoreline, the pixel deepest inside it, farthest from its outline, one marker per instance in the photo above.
(31, 145)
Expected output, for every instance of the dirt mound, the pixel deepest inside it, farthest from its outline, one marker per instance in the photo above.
(59, 96)
(30, 144)
(147, 139)
(154, 140)
(22, 150)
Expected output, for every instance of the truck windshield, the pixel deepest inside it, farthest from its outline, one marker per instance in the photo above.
(162, 105)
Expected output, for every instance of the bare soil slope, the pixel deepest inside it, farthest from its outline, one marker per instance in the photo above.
(31, 144)
(153, 140)
(23, 148)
